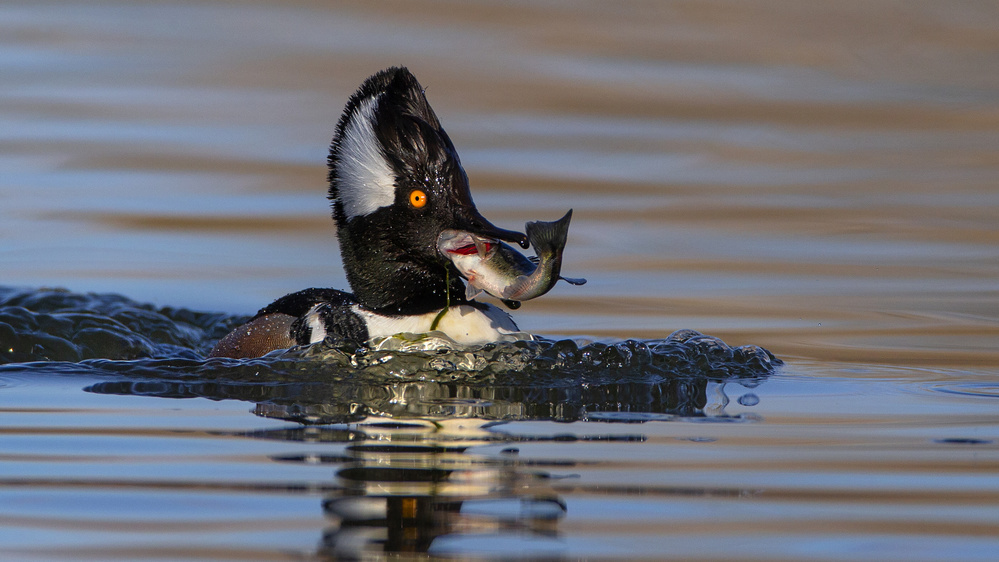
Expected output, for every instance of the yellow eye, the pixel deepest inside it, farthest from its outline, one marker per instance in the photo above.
(417, 198)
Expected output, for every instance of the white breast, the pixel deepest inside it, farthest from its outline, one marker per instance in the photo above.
(463, 323)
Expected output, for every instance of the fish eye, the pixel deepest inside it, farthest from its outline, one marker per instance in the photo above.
(417, 198)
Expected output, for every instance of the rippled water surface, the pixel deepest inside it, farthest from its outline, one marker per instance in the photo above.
(787, 214)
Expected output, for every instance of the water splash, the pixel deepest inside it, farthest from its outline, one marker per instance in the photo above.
(138, 349)
(59, 325)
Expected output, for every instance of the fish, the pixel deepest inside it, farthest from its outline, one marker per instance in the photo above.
(499, 270)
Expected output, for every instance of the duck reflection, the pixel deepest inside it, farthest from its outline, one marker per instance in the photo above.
(401, 486)
(406, 485)
(427, 466)
(620, 402)
(418, 464)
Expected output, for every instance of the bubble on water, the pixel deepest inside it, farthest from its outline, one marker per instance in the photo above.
(749, 399)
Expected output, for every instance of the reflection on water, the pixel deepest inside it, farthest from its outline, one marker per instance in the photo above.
(425, 487)
(400, 491)
(411, 481)
(354, 401)
(398, 486)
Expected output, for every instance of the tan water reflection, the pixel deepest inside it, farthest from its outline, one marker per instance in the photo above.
(847, 467)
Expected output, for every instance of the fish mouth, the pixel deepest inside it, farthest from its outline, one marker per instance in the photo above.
(454, 243)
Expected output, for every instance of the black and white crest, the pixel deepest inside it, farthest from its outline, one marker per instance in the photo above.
(365, 179)
(388, 131)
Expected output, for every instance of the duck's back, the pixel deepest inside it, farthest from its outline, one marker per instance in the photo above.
(296, 319)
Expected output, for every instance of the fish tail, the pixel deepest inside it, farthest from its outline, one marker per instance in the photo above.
(548, 238)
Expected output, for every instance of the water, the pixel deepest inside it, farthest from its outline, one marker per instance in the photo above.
(818, 180)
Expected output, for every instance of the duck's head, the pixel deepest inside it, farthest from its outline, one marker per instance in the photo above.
(396, 183)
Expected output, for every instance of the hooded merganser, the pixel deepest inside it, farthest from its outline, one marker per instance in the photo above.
(396, 184)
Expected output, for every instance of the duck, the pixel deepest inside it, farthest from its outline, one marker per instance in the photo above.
(396, 184)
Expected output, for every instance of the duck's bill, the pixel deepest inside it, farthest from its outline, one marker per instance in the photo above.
(471, 222)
